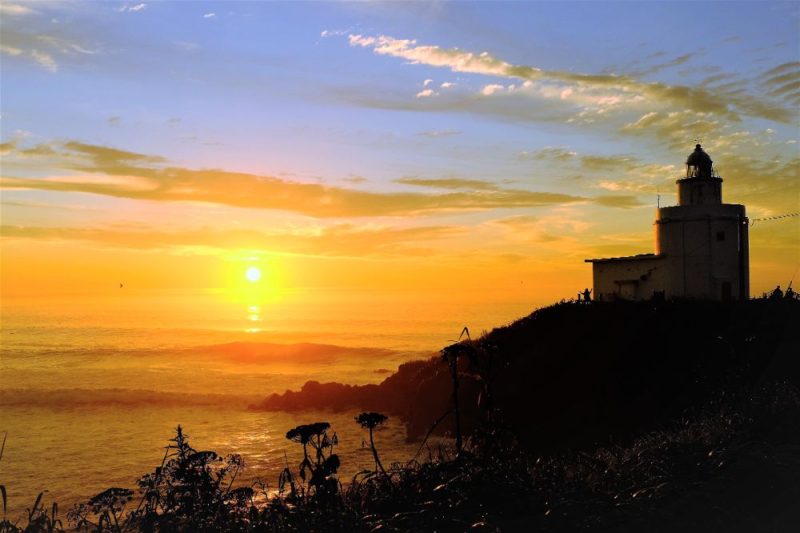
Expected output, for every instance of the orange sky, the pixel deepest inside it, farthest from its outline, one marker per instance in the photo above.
(378, 146)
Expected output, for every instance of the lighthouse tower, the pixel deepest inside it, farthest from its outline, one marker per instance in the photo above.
(702, 249)
(704, 241)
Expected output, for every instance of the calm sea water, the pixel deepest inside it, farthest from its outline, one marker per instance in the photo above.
(92, 386)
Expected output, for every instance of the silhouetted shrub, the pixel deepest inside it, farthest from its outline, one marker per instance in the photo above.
(319, 469)
(370, 421)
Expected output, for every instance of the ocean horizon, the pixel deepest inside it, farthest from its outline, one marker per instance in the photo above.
(93, 386)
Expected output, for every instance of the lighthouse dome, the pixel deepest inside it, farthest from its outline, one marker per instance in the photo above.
(698, 164)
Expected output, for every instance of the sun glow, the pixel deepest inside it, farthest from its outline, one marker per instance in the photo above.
(253, 274)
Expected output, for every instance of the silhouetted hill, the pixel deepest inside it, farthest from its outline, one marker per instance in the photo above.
(574, 375)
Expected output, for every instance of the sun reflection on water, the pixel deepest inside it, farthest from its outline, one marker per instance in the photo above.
(254, 318)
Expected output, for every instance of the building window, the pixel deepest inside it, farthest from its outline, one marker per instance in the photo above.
(720, 236)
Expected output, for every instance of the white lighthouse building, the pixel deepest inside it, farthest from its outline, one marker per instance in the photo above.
(701, 252)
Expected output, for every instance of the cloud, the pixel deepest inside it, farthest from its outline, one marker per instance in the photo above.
(132, 9)
(618, 201)
(45, 60)
(449, 183)
(38, 150)
(15, 9)
(427, 82)
(696, 99)
(558, 230)
(10, 50)
(214, 15)
(439, 133)
(44, 49)
(517, 222)
(615, 163)
(447, 85)
(122, 174)
(680, 60)
(491, 89)
(187, 46)
(767, 182)
(677, 128)
(114, 121)
(333, 240)
(532, 103)
(783, 81)
(553, 153)
(426, 93)
(105, 159)
(333, 33)
(7, 147)
(50, 206)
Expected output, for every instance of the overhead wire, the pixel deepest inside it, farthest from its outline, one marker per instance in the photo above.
(776, 217)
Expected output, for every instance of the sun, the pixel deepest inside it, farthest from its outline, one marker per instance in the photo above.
(253, 274)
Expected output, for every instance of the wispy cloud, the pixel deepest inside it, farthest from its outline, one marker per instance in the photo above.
(333, 240)
(618, 200)
(187, 46)
(44, 49)
(45, 60)
(439, 133)
(145, 177)
(7, 8)
(783, 81)
(132, 8)
(677, 128)
(677, 61)
(623, 87)
(617, 163)
(450, 183)
(554, 153)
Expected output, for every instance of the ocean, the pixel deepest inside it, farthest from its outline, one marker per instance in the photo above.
(92, 386)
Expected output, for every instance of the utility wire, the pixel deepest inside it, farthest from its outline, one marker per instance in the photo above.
(776, 217)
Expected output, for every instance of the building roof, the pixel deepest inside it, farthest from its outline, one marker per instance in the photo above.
(638, 257)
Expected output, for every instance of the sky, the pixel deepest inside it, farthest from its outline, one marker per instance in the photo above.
(382, 146)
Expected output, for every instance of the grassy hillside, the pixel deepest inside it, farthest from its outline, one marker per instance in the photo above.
(577, 376)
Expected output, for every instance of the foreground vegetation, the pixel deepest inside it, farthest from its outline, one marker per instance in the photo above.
(717, 465)
(489, 486)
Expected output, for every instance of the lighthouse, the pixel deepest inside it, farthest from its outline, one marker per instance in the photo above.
(701, 247)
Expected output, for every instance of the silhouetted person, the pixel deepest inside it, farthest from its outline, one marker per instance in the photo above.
(587, 295)
(777, 294)
(789, 293)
